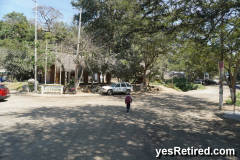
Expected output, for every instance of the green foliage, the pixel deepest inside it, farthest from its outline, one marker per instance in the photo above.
(31, 87)
(228, 101)
(15, 80)
(183, 84)
(14, 26)
(18, 62)
(15, 17)
(72, 80)
(155, 83)
(238, 95)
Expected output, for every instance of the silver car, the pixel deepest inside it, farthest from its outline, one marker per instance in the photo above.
(121, 87)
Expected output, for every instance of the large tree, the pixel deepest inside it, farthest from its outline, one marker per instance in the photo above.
(48, 14)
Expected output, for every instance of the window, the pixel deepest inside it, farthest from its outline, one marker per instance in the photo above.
(113, 84)
(118, 85)
(4, 87)
(129, 85)
(123, 85)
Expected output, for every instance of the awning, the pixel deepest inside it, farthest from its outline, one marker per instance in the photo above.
(4, 71)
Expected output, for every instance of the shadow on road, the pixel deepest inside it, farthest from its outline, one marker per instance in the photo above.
(108, 132)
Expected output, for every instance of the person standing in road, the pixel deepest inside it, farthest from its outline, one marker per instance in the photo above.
(128, 100)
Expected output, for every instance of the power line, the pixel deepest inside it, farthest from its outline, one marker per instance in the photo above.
(60, 8)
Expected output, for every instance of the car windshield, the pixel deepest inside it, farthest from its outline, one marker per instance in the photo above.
(113, 84)
(2, 86)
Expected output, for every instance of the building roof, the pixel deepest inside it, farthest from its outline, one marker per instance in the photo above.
(67, 61)
(171, 74)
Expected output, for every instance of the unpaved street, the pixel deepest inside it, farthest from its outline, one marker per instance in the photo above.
(98, 127)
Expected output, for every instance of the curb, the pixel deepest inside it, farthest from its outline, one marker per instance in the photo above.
(52, 95)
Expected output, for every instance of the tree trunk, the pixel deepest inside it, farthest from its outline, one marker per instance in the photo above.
(76, 77)
(69, 71)
(135, 80)
(55, 72)
(60, 75)
(144, 75)
(92, 81)
(65, 81)
(102, 78)
(78, 82)
(69, 74)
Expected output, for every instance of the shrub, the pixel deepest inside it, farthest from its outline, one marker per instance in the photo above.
(183, 84)
(228, 101)
(31, 87)
(238, 95)
(238, 102)
(15, 80)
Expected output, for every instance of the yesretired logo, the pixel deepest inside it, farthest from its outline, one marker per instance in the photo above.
(190, 151)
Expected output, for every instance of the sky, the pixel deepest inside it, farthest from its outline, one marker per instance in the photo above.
(26, 6)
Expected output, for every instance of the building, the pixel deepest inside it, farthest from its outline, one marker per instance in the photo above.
(65, 69)
(171, 74)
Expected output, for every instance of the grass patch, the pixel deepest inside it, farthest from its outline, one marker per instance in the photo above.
(156, 83)
(182, 84)
(229, 102)
(237, 95)
(15, 86)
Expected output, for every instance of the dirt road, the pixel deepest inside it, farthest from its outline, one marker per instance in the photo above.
(98, 127)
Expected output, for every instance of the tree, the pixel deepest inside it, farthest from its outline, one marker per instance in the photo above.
(15, 25)
(118, 23)
(48, 14)
(18, 62)
(15, 17)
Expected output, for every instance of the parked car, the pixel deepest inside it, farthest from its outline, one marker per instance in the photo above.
(138, 80)
(211, 82)
(4, 92)
(199, 81)
(121, 87)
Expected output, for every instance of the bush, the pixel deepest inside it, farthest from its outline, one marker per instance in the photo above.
(238, 102)
(237, 95)
(154, 83)
(15, 80)
(183, 84)
(31, 87)
(228, 101)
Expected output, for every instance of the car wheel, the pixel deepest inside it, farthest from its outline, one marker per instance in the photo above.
(128, 91)
(110, 92)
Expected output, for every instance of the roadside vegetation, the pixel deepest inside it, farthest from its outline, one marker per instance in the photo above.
(180, 84)
(229, 101)
(127, 39)
(15, 86)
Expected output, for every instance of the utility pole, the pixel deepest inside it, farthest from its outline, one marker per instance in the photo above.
(221, 66)
(46, 65)
(55, 70)
(35, 73)
(77, 55)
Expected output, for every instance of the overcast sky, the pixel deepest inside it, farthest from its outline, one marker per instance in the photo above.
(26, 6)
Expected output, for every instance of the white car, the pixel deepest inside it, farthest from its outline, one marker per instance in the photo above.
(198, 81)
(121, 87)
